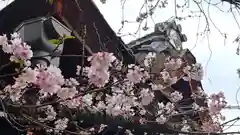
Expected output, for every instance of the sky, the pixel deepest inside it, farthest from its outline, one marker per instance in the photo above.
(218, 57)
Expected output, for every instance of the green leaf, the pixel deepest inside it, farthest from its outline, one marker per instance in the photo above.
(55, 42)
(51, 1)
(68, 37)
(21, 62)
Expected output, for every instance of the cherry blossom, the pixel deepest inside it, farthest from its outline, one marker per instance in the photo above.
(61, 124)
(50, 112)
(186, 128)
(147, 96)
(135, 74)
(216, 103)
(87, 99)
(128, 132)
(173, 64)
(148, 61)
(157, 86)
(101, 60)
(98, 73)
(71, 82)
(195, 72)
(18, 49)
(167, 77)
(49, 79)
(3, 40)
(84, 70)
(211, 127)
(176, 96)
(195, 106)
(21, 52)
(101, 128)
(29, 75)
(74, 103)
(161, 119)
(109, 87)
(65, 93)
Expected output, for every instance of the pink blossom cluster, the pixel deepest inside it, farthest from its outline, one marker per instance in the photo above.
(130, 94)
(136, 74)
(150, 57)
(194, 72)
(173, 63)
(19, 50)
(176, 96)
(216, 103)
(49, 79)
(98, 73)
(211, 127)
(165, 112)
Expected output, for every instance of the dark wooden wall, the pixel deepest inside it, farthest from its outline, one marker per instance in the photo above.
(99, 35)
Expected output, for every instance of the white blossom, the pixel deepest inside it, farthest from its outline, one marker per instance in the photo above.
(148, 61)
(71, 82)
(176, 96)
(61, 124)
(128, 132)
(143, 112)
(87, 99)
(3, 40)
(142, 120)
(157, 86)
(65, 93)
(169, 107)
(101, 105)
(186, 128)
(195, 106)
(50, 112)
(147, 96)
(173, 64)
(102, 127)
(161, 119)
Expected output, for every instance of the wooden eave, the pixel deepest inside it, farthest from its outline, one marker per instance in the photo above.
(80, 14)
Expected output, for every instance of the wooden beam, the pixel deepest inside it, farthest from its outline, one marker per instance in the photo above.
(59, 7)
(75, 33)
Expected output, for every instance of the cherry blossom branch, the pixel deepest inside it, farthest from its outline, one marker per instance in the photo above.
(6, 116)
(106, 86)
(53, 55)
(204, 133)
(63, 100)
(46, 126)
(5, 65)
(235, 119)
(7, 75)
